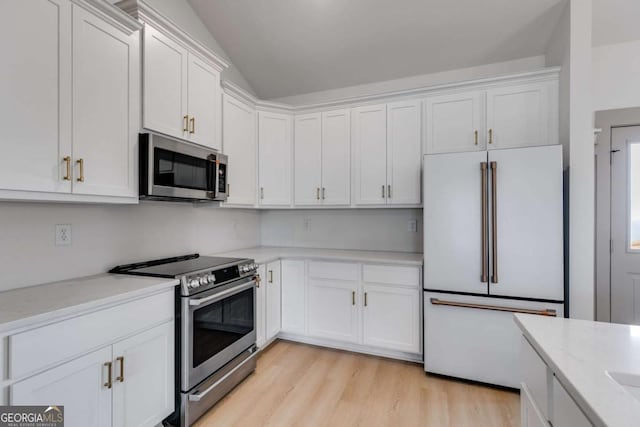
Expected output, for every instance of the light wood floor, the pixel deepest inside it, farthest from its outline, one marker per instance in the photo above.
(300, 385)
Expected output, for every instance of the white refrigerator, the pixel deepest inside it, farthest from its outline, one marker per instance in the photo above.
(493, 246)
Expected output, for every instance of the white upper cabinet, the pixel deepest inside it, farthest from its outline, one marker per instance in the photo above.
(370, 151)
(105, 129)
(274, 153)
(522, 116)
(239, 143)
(181, 91)
(336, 157)
(454, 122)
(307, 159)
(35, 107)
(404, 153)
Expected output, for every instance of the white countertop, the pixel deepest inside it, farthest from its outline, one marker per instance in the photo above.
(38, 304)
(263, 254)
(581, 353)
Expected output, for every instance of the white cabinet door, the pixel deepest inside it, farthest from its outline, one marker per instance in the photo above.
(392, 318)
(307, 159)
(164, 84)
(78, 385)
(336, 157)
(203, 103)
(453, 222)
(240, 145)
(566, 412)
(273, 292)
(261, 306)
(519, 116)
(333, 310)
(274, 152)
(454, 123)
(106, 67)
(404, 152)
(530, 415)
(370, 151)
(143, 377)
(293, 296)
(35, 106)
(528, 199)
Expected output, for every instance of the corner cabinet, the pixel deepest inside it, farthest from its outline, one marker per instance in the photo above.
(275, 156)
(268, 303)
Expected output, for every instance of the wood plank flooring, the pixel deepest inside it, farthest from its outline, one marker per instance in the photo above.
(301, 385)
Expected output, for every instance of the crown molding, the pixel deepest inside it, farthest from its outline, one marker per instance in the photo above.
(239, 93)
(148, 15)
(112, 14)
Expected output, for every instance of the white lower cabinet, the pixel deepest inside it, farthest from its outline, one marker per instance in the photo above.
(333, 313)
(566, 412)
(530, 415)
(293, 296)
(273, 292)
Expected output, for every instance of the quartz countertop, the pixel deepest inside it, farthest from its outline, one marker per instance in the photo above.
(32, 305)
(581, 353)
(263, 254)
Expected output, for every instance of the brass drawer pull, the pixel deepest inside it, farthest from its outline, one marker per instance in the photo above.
(383, 191)
(353, 297)
(121, 376)
(318, 193)
(476, 136)
(323, 193)
(365, 299)
(185, 124)
(546, 312)
(80, 163)
(490, 136)
(109, 366)
(270, 276)
(67, 160)
(193, 125)
(388, 191)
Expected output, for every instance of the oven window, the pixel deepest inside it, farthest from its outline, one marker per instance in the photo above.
(173, 169)
(220, 324)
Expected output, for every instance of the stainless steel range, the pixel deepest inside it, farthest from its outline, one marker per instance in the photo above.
(215, 326)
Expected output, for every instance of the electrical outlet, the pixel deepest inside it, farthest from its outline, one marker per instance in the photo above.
(413, 225)
(63, 234)
(307, 224)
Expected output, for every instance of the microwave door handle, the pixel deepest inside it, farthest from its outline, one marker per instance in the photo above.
(221, 295)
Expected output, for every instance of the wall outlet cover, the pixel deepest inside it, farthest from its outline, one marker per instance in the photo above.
(63, 234)
(413, 225)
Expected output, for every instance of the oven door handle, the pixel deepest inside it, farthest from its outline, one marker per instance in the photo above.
(220, 295)
(196, 397)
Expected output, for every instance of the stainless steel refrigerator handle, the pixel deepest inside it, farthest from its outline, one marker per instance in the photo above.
(483, 214)
(494, 223)
(546, 312)
(196, 397)
(220, 295)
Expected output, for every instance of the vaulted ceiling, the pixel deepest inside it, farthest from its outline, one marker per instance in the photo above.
(290, 47)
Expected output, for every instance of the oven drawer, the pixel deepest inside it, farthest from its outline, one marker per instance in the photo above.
(43, 347)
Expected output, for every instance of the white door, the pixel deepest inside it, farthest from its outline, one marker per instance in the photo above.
(273, 291)
(307, 159)
(261, 306)
(293, 296)
(333, 310)
(336, 157)
(453, 249)
(35, 106)
(143, 372)
(106, 100)
(203, 103)
(625, 225)
(455, 123)
(370, 152)
(518, 116)
(164, 105)
(529, 217)
(240, 145)
(404, 152)
(274, 152)
(391, 317)
(78, 385)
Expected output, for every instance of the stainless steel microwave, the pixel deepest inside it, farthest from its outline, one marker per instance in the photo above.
(176, 170)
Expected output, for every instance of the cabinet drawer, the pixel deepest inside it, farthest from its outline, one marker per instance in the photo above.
(566, 412)
(405, 276)
(42, 347)
(536, 375)
(333, 270)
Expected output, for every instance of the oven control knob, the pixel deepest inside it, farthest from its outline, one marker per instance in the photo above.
(243, 268)
(203, 280)
(211, 278)
(193, 283)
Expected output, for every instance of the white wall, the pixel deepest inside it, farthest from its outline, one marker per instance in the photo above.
(616, 76)
(367, 229)
(105, 236)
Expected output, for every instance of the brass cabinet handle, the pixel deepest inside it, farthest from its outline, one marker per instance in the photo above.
(383, 191)
(258, 279)
(192, 120)
(261, 192)
(185, 124)
(109, 366)
(389, 191)
(353, 297)
(476, 136)
(545, 312)
(67, 160)
(365, 299)
(121, 376)
(323, 193)
(490, 136)
(270, 276)
(317, 193)
(228, 190)
(484, 225)
(494, 222)
(80, 162)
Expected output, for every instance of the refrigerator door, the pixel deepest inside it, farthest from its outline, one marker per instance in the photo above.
(454, 254)
(526, 224)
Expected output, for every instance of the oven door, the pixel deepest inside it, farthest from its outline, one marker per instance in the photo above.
(217, 326)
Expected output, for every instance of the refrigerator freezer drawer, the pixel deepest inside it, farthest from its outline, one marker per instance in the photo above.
(475, 338)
